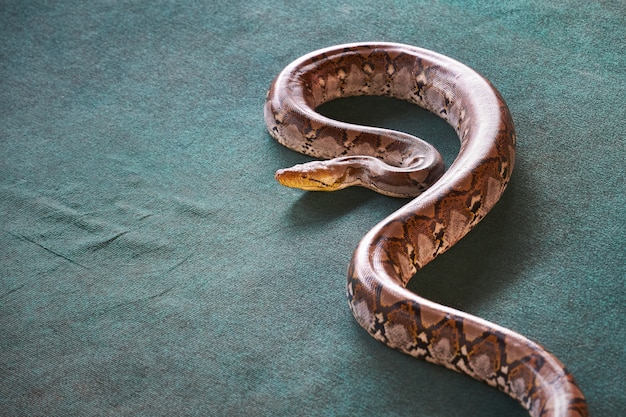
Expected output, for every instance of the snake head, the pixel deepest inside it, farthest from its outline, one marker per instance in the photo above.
(316, 176)
(365, 171)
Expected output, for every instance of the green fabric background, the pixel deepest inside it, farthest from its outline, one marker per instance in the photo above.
(151, 266)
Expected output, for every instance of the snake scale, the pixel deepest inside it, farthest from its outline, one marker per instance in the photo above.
(447, 205)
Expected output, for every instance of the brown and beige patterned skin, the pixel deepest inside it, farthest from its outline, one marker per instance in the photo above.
(447, 207)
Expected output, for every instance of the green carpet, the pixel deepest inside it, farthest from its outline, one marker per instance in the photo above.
(151, 266)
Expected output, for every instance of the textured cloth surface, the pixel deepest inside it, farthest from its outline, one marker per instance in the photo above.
(150, 265)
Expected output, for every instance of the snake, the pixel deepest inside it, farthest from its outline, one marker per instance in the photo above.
(445, 204)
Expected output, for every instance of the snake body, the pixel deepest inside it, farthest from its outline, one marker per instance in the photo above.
(448, 205)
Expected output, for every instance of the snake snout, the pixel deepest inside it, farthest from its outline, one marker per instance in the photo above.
(290, 177)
